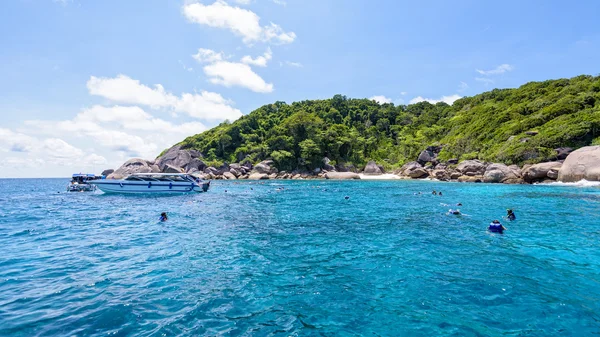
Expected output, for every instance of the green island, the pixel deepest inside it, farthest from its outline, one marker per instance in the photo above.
(512, 126)
(503, 135)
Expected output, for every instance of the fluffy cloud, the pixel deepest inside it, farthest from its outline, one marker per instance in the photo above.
(16, 142)
(243, 2)
(241, 22)
(446, 99)
(123, 89)
(114, 128)
(260, 61)
(381, 99)
(208, 56)
(501, 69)
(236, 74)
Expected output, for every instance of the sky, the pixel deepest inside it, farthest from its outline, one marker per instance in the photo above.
(86, 85)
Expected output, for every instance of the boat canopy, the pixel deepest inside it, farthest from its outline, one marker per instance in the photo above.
(84, 175)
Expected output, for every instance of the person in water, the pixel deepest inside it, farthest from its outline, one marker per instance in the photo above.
(440, 193)
(163, 217)
(496, 227)
(454, 211)
(510, 215)
(434, 192)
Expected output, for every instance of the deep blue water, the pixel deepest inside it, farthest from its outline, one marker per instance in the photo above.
(246, 259)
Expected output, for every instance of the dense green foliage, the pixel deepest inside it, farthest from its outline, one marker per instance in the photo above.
(564, 112)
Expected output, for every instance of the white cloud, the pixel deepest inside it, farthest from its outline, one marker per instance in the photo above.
(279, 2)
(241, 22)
(462, 86)
(59, 149)
(122, 89)
(16, 142)
(486, 81)
(501, 69)
(208, 56)
(236, 74)
(381, 99)
(403, 93)
(446, 99)
(291, 64)
(243, 2)
(127, 90)
(260, 61)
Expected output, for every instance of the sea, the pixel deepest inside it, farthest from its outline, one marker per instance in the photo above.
(300, 258)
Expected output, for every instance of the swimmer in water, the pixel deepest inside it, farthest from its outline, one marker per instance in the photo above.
(496, 227)
(346, 197)
(163, 217)
(440, 193)
(434, 192)
(454, 211)
(459, 204)
(510, 215)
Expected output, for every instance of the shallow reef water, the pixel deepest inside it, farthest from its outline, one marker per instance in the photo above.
(296, 258)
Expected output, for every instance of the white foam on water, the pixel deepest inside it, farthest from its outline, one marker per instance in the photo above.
(385, 176)
(581, 183)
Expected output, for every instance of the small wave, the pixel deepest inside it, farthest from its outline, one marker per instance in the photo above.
(581, 183)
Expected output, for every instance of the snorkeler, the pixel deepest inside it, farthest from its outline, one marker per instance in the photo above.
(496, 227)
(454, 211)
(163, 217)
(434, 192)
(510, 215)
(440, 193)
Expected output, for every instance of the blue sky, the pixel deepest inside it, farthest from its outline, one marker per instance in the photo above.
(78, 84)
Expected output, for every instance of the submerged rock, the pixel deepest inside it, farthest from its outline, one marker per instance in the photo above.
(583, 163)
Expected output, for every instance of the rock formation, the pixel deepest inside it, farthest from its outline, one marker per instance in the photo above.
(583, 163)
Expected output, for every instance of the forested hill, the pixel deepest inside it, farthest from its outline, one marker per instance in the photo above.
(512, 126)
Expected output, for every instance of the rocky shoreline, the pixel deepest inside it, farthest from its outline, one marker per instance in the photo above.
(570, 166)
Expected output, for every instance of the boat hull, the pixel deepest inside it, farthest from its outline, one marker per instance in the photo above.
(130, 187)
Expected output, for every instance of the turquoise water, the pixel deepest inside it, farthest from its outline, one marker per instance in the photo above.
(247, 259)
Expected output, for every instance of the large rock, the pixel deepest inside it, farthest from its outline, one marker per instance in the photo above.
(498, 173)
(107, 172)
(414, 170)
(470, 179)
(134, 165)
(372, 169)
(341, 175)
(264, 167)
(172, 169)
(229, 176)
(583, 163)
(440, 174)
(471, 168)
(417, 173)
(258, 176)
(178, 157)
(539, 172)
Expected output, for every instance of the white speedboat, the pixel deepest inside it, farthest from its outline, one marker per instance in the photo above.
(153, 183)
(80, 182)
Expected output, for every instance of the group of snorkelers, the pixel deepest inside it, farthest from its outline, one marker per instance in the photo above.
(495, 226)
